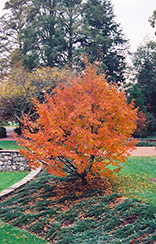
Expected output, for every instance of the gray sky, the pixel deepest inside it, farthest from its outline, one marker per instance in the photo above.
(133, 16)
(2, 4)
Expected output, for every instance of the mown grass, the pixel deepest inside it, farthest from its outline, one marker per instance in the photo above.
(137, 179)
(12, 235)
(8, 145)
(64, 211)
(9, 178)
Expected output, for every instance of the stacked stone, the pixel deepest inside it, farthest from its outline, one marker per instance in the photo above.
(12, 161)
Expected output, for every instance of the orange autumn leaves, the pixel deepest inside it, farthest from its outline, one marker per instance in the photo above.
(81, 129)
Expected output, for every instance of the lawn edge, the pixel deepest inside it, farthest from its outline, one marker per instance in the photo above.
(20, 183)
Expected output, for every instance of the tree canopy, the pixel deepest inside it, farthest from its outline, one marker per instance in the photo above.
(81, 129)
(22, 86)
(152, 19)
(56, 34)
(145, 67)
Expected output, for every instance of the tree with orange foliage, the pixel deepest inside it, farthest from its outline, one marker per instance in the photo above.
(81, 129)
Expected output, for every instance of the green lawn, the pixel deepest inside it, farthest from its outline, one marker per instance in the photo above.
(9, 178)
(8, 145)
(137, 179)
(12, 235)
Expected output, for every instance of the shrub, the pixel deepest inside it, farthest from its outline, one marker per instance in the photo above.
(3, 132)
(81, 129)
(18, 131)
(146, 125)
(151, 124)
(141, 124)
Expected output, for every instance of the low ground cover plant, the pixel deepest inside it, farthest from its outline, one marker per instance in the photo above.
(63, 210)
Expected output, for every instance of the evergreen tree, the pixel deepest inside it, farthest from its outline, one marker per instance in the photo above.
(43, 36)
(104, 40)
(57, 32)
(71, 20)
(145, 66)
(135, 93)
(152, 20)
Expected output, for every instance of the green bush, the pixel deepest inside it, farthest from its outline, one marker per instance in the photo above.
(3, 132)
(146, 144)
(151, 124)
(18, 131)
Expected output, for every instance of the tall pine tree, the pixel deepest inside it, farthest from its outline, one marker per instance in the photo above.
(43, 37)
(71, 21)
(104, 40)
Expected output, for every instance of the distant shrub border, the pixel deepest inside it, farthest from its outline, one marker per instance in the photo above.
(18, 131)
(3, 132)
(146, 144)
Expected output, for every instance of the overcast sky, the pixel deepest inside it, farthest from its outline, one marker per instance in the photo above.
(133, 16)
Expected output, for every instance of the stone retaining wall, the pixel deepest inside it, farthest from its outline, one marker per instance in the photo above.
(12, 161)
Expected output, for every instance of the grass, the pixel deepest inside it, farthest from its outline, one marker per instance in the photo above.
(137, 179)
(10, 234)
(64, 211)
(8, 145)
(10, 178)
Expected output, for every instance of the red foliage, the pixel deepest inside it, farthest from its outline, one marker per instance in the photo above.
(141, 123)
(81, 129)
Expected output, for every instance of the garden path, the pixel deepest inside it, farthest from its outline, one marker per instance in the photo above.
(10, 133)
(144, 151)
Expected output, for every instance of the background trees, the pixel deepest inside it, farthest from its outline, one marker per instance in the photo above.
(152, 19)
(56, 33)
(11, 26)
(21, 87)
(43, 37)
(145, 67)
(144, 91)
(104, 40)
(71, 21)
